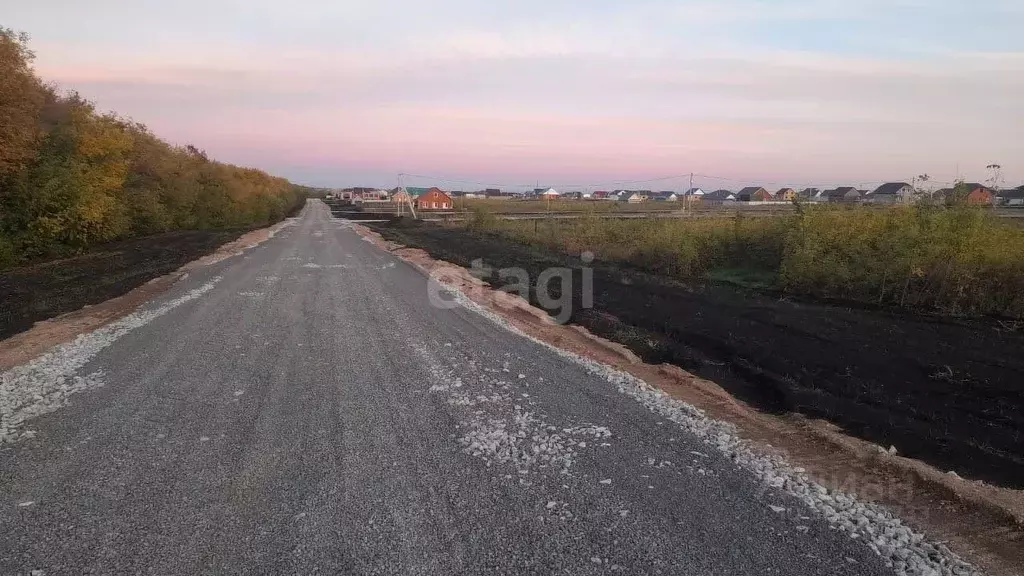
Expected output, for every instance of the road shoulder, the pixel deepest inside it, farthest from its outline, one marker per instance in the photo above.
(982, 523)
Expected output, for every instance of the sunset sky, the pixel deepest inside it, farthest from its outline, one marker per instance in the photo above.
(564, 93)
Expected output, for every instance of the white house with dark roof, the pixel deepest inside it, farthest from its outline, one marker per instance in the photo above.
(1012, 196)
(891, 193)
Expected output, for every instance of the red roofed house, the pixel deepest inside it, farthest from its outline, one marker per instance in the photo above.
(434, 199)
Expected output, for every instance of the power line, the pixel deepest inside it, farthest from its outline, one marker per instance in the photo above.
(823, 183)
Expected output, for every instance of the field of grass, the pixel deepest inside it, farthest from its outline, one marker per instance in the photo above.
(513, 206)
(952, 260)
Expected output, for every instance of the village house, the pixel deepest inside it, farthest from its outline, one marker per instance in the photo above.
(785, 195)
(375, 195)
(891, 193)
(666, 196)
(633, 196)
(843, 195)
(546, 193)
(754, 194)
(431, 199)
(1012, 197)
(719, 196)
(694, 192)
(602, 195)
(400, 196)
(974, 193)
(813, 195)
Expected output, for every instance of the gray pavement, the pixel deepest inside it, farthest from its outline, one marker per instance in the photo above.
(309, 412)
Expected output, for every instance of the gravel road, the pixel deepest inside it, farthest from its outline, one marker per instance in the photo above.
(303, 409)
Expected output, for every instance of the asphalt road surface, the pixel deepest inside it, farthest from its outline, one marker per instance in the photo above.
(303, 409)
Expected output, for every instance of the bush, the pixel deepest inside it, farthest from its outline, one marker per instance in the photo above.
(71, 178)
(955, 260)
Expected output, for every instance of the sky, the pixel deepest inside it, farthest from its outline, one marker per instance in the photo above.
(564, 93)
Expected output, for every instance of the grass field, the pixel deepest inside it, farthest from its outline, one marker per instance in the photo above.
(953, 260)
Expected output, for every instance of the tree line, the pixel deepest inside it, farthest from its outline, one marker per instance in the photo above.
(72, 177)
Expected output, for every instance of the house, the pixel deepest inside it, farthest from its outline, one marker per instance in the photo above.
(1012, 197)
(695, 192)
(375, 195)
(720, 196)
(546, 193)
(980, 195)
(432, 199)
(633, 196)
(754, 194)
(602, 195)
(400, 196)
(785, 195)
(891, 193)
(973, 193)
(813, 195)
(666, 196)
(843, 194)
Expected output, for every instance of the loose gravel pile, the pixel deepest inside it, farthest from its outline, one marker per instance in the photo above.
(45, 384)
(903, 549)
(500, 426)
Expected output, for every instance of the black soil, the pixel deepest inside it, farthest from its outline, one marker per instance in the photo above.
(43, 291)
(946, 391)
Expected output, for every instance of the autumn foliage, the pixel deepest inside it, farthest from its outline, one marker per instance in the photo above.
(954, 259)
(71, 177)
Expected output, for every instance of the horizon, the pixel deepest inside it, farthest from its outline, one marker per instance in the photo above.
(792, 93)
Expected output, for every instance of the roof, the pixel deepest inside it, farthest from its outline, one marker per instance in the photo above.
(782, 190)
(719, 195)
(664, 194)
(891, 188)
(415, 191)
(694, 191)
(974, 186)
(752, 190)
(1014, 193)
(970, 186)
(842, 192)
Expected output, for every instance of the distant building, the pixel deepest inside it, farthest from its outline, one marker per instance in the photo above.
(400, 196)
(633, 196)
(754, 194)
(1012, 197)
(720, 196)
(785, 195)
(546, 193)
(843, 195)
(813, 195)
(432, 199)
(666, 196)
(974, 194)
(602, 195)
(891, 193)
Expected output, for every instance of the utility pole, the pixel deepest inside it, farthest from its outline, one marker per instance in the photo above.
(687, 197)
(408, 197)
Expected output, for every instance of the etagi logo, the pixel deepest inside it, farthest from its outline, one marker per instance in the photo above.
(553, 289)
